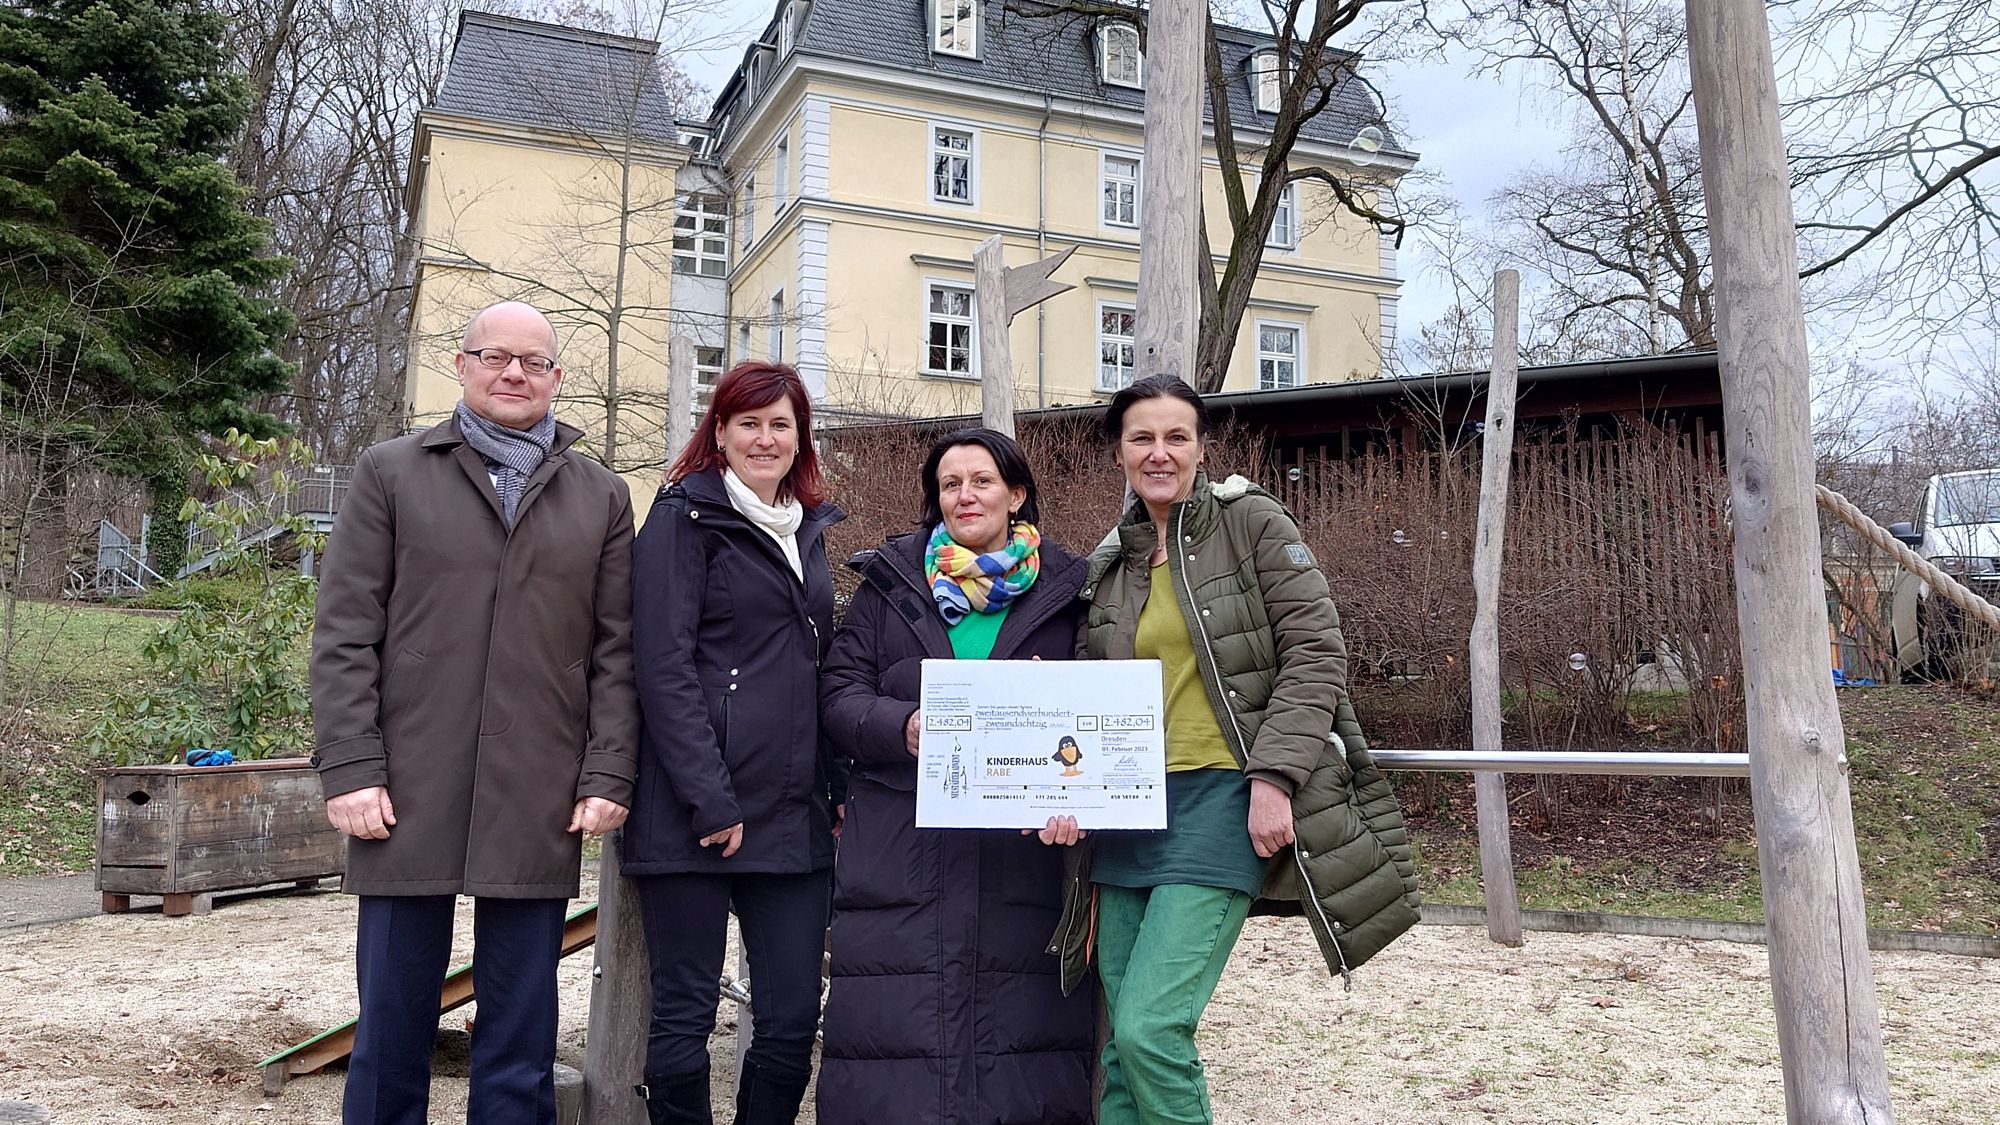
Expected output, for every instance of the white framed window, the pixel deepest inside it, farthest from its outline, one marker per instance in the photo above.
(1280, 355)
(708, 368)
(954, 157)
(1284, 232)
(701, 236)
(746, 211)
(1265, 81)
(777, 351)
(1118, 59)
(742, 342)
(785, 18)
(1116, 325)
(1120, 183)
(948, 330)
(781, 174)
(955, 27)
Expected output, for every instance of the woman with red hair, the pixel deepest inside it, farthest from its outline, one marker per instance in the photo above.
(732, 608)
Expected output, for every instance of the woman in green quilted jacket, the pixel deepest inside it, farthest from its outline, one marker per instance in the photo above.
(1270, 793)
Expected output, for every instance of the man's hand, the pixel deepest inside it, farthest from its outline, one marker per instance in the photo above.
(364, 814)
(912, 729)
(1270, 817)
(594, 816)
(839, 819)
(1059, 830)
(730, 838)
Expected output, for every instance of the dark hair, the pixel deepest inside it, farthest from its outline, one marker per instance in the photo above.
(1007, 457)
(753, 385)
(1152, 386)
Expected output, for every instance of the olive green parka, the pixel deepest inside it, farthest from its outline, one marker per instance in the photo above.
(1267, 640)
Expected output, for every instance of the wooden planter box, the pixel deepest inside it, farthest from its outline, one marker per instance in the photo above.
(187, 831)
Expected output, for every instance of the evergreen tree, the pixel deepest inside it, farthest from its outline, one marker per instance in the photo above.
(130, 319)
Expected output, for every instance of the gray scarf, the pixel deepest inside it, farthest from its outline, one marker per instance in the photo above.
(512, 455)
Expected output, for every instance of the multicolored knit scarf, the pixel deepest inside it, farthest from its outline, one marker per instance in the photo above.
(964, 581)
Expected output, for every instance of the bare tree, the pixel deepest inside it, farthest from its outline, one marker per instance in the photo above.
(600, 265)
(1892, 126)
(1894, 123)
(334, 88)
(1312, 72)
(1616, 230)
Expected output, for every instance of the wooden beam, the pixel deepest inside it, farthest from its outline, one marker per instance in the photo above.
(1496, 845)
(1822, 986)
(1029, 285)
(996, 360)
(621, 999)
(337, 1043)
(1168, 311)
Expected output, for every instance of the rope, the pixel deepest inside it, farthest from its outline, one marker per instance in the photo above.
(1947, 587)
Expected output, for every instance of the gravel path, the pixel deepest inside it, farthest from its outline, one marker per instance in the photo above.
(145, 1018)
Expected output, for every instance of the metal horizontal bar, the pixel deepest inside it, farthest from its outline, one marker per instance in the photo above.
(1633, 762)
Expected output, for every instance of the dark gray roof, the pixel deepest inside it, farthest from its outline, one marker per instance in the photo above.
(1025, 45)
(539, 74)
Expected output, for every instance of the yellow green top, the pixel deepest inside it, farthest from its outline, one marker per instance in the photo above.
(1194, 740)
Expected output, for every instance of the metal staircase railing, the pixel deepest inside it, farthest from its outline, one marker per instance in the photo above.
(123, 566)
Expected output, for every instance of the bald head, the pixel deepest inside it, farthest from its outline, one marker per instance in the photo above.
(502, 365)
(510, 318)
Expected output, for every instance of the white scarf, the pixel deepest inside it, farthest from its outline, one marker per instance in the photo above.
(779, 521)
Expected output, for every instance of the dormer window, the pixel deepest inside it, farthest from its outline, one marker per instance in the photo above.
(786, 17)
(1265, 81)
(955, 27)
(1118, 60)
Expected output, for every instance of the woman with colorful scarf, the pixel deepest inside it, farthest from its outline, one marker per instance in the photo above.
(944, 1006)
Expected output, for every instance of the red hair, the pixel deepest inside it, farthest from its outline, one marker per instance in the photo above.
(753, 385)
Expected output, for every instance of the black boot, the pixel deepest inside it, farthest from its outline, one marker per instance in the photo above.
(677, 1099)
(764, 1100)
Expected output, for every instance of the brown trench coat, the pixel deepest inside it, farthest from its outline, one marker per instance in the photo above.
(483, 676)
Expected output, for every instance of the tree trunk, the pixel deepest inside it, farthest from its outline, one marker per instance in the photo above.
(1168, 310)
(1496, 844)
(1829, 1028)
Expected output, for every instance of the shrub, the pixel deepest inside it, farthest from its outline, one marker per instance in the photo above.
(228, 665)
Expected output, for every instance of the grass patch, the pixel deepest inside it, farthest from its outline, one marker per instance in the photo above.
(68, 659)
(67, 662)
(1925, 786)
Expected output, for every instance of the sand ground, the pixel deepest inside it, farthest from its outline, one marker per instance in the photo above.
(141, 1018)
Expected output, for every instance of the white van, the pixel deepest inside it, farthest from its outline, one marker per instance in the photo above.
(1957, 529)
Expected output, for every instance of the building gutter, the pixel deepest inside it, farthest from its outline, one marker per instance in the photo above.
(1042, 247)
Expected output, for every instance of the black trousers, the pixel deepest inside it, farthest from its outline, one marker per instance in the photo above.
(401, 950)
(783, 919)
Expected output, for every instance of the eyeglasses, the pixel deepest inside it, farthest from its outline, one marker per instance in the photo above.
(499, 358)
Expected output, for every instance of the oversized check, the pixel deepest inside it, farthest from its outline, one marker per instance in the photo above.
(1010, 743)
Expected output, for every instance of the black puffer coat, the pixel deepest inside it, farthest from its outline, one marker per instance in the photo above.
(726, 644)
(944, 1005)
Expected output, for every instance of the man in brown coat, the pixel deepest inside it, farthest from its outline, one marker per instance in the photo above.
(474, 716)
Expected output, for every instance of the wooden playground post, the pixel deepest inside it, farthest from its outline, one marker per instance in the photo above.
(1168, 313)
(996, 351)
(999, 294)
(1496, 846)
(1822, 986)
(621, 992)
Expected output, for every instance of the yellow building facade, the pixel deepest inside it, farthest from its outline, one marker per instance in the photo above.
(566, 196)
(867, 162)
(826, 211)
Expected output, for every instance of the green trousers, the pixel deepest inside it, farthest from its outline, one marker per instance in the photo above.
(1160, 951)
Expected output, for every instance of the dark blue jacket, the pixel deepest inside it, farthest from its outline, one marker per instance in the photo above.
(944, 1005)
(726, 647)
